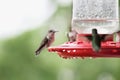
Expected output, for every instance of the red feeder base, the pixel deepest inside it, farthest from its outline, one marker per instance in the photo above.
(84, 49)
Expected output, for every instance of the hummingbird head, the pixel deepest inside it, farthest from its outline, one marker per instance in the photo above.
(94, 31)
(52, 31)
(118, 31)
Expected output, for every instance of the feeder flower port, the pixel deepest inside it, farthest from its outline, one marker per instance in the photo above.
(89, 15)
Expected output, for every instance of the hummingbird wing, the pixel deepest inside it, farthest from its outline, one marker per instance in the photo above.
(42, 45)
(50, 40)
(96, 42)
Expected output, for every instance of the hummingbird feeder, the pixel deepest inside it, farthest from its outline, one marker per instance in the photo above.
(102, 15)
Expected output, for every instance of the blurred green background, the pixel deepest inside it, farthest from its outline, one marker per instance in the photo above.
(18, 60)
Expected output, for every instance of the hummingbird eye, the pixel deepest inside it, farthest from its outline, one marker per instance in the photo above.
(52, 31)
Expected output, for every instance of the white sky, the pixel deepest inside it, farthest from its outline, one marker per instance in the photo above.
(17, 16)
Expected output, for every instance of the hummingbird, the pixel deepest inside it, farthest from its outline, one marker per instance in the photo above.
(117, 36)
(110, 36)
(96, 40)
(71, 34)
(47, 41)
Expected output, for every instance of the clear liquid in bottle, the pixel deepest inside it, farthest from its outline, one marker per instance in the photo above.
(99, 14)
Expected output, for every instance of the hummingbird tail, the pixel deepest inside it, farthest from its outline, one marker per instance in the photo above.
(37, 52)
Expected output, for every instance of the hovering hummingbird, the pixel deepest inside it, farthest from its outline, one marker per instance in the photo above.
(47, 41)
(96, 40)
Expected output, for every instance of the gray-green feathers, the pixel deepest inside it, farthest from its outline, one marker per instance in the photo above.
(96, 40)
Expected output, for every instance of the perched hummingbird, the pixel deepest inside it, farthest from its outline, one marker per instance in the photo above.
(110, 36)
(71, 34)
(47, 41)
(96, 40)
(117, 36)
